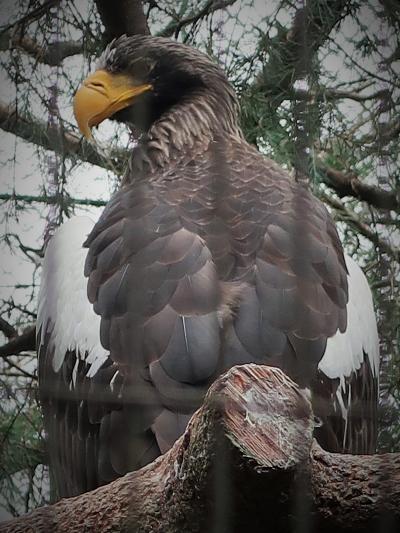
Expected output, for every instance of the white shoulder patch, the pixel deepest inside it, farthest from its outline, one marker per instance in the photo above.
(345, 351)
(64, 311)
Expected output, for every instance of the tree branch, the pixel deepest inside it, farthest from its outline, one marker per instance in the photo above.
(30, 17)
(20, 371)
(356, 493)
(245, 461)
(348, 184)
(21, 343)
(53, 54)
(8, 330)
(291, 56)
(28, 459)
(384, 134)
(325, 93)
(210, 7)
(128, 19)
(43, 199)
(363, 229)
(287, 49)
(54, 138)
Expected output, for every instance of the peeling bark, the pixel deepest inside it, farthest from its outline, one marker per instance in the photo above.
(247, 462)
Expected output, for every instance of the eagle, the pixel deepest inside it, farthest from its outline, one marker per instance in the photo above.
(209, 255)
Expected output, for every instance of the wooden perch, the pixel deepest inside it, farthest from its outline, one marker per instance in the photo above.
(246, 463)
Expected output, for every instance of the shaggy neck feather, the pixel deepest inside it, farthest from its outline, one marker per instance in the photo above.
(186, 128)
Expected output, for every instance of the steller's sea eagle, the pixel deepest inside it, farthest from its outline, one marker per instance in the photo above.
(208, 256)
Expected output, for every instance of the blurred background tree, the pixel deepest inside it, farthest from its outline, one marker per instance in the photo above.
(319, 88)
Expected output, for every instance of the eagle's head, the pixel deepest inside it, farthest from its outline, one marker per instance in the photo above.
(140, 79)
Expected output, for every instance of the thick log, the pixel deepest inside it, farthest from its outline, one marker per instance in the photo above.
(247, 462)
(357, 493)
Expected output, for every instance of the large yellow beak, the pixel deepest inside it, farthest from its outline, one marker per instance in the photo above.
(101, 95)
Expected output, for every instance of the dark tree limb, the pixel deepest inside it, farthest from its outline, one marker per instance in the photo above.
(61, 141)
(288, 51)
(356, 493)
(330, 94)
(350, 218)
(28, 458)
(291, 57)
(20, 372)
(246, 462)
(383, 135)
(349, 184)
(21, 24)
(52, 54)
(126, 18)
(20, 343)
(6, 328)
(210, 7)
(50, 200)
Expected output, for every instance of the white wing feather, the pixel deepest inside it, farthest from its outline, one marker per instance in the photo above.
(345, 351)
(66, 313)
(64, 310)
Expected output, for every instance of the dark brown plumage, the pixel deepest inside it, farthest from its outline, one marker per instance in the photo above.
(208, 256)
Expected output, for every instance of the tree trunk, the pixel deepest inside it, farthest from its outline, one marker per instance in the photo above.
(125, 18)
(247, 462)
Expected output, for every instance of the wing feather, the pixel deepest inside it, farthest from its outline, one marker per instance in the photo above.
(158, 303)
(346, 388)
(235, 265)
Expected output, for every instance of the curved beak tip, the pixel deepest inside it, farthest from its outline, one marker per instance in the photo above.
(83, 111)
(101, 95)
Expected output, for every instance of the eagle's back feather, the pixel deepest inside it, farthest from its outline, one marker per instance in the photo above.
(219, 261)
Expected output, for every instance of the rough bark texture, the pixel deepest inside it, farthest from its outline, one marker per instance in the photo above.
(247, 462)
(356, 492)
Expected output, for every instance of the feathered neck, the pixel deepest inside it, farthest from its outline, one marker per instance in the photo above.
(185, 131)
